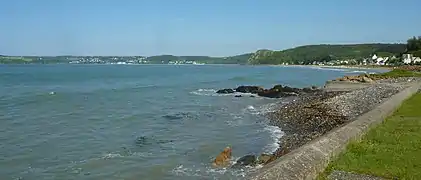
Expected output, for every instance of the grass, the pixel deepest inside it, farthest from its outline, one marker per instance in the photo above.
(395, 73)
(390, 150)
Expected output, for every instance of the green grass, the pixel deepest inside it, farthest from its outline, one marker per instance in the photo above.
(395, 73)
(392, 149)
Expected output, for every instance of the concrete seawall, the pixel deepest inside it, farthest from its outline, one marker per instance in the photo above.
(311, 159)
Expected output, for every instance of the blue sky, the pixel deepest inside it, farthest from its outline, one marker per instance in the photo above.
(197, 27)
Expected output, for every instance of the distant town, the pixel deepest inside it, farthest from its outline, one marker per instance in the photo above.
(380, 54)
(90, 60)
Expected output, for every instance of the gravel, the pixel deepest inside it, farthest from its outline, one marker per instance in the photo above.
(398, 80)
(312, 115)
(360, 101)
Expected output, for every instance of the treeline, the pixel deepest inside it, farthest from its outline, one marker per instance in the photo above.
(239, 59)
(325, 53)
(413, 46)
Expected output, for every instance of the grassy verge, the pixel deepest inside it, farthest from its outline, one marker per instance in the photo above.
(395, 74)
(390, 150)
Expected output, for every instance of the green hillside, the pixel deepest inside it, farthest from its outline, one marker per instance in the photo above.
(239, 59)
(325, 52)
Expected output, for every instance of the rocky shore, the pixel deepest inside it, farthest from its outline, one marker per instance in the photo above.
(313, 115)
(315, 111)
(277, 91)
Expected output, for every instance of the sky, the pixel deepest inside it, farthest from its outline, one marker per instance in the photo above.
(198, 27)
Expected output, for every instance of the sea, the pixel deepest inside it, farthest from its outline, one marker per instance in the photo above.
(115, 122)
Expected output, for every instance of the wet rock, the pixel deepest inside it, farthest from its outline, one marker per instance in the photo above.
(223, 159)
(275, 93)
(225, 91)
(238, 96)
(364, 78)
(249, 89)
(264, 158)
(285, 88)
(252, 96)
(248, 160)
(367, 80)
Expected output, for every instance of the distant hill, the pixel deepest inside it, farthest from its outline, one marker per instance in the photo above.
(239, 59)
(325, 52)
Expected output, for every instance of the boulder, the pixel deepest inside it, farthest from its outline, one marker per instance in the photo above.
(314, 87)
(223, 159)
(249, 89)
(225, 91)
(238, 96)
(367, 80)
(264, 158)
(248, 160)
(275, 93)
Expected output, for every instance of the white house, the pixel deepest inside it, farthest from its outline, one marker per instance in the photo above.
(374, 57)
(380, 61)
(407, 58)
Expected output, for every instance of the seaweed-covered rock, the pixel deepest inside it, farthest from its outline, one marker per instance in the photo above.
(225, 91)
(248, 160)
(249, 89)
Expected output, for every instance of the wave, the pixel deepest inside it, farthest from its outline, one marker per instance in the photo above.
(275, 133)
(212, 92)
(356, 71)
(261, 110)
(210, 172)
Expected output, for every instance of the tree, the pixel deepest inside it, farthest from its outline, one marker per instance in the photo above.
(413, 44)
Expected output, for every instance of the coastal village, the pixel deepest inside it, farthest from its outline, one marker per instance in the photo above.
(406, 59)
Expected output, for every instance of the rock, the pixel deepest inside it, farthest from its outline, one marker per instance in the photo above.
(275, 93)
(264, 158)
(307, 89)
(249, 89)
(367, 80)
(223, 159)
(248, 160)
(314, 87)
(225, 91)
(238, 96)
(252, 96)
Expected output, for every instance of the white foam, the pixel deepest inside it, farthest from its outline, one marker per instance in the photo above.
(111, 155)
(251, 108)
(206, 92)
(275, 133)
(212, 92)
(263, 109)
(356, 71)
(207, 170)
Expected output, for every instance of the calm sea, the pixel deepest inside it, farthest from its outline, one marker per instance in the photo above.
(102, 122)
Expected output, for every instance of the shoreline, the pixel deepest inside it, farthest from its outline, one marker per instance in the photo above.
(343, 66)
(315, 115)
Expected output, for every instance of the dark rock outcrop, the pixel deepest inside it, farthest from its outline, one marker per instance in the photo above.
(248, 160)
(249, 89)
(225, 91)
(276, 91)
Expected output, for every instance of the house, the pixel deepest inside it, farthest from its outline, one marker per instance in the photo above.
(381, 61)
(407, 58)
(374, 57)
